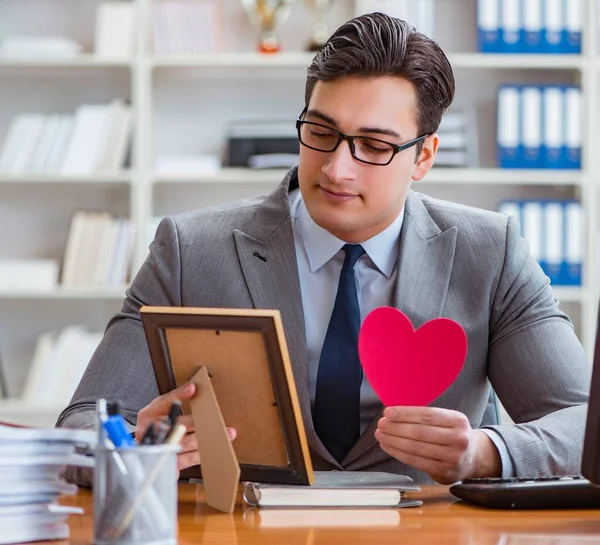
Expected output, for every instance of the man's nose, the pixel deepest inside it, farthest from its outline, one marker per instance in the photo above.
(340, 165)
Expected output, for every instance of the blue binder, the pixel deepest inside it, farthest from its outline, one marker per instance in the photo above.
(554, 241)
(488, 26)
(510, 26)
(553, 18)
(531, 127)
(573, 10)
(553, 115)
(574, 243)
(533, 230)
(509, 145)
(573, 128)
(532, 27)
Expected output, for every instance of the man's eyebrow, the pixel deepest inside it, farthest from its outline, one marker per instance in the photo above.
(371, 130)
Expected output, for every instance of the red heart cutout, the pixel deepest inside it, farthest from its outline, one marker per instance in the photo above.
(408, 367)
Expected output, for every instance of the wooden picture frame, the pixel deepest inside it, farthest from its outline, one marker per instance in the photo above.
(245, 354)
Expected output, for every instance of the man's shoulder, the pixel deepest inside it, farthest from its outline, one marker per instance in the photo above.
(220, 218)
(469, 220)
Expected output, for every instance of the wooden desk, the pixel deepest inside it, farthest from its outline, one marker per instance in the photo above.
(441, 519)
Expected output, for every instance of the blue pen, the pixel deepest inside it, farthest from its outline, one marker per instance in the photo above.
(116, 429)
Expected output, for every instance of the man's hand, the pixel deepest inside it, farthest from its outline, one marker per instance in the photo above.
(159, 409)
(439, 442)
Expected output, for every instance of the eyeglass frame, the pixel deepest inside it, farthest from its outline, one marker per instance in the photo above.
(396, 148)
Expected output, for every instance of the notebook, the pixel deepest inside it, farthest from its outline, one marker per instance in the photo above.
(336, 489)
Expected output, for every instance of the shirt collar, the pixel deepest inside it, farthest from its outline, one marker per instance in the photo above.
(321, 245)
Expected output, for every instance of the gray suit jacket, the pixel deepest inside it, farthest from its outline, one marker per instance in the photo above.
(467, 264)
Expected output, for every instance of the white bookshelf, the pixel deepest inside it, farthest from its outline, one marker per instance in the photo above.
(184, 103)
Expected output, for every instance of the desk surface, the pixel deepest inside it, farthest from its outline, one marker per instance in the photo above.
(441, 519)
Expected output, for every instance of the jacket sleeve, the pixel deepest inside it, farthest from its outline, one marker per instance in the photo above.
(537, 367)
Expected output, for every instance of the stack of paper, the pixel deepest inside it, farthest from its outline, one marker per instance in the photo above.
(39, 46)
(31, 461)
(456, 148)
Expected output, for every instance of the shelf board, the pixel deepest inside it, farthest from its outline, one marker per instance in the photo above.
(485, 176)
(81, 61)
(15, 406)
(226, 175)
(295, 59)
(569, 294)
(119, 178)
(22, 412)
(515, 61)
(66, 292)
(301, 59)
(438, 175)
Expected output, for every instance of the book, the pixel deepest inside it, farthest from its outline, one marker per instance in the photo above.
(372, 517)
(336, 489)
(115, 30)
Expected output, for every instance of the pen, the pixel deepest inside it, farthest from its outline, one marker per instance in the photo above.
(149, 437)
(115, 427)
(174, 412)
(164, 429)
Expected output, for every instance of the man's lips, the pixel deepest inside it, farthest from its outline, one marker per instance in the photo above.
(338, 193)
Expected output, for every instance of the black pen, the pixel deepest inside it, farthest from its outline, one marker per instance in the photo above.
(174, 412)
(149, 437)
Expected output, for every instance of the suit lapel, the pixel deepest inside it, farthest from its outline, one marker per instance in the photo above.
(267, 257)
(424, 267)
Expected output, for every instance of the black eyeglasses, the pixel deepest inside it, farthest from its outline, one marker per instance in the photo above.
(365, 149)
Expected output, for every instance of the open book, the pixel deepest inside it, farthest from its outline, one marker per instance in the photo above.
(336, 489)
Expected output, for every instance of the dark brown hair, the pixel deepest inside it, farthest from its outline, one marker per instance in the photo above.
(377, 45)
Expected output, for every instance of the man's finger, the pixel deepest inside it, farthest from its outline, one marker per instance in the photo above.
(187, 421)
(429, 451)
(437, 470)
(187, 459)
(162, 404)
(189, 443)
(418, 432)
(431, 416)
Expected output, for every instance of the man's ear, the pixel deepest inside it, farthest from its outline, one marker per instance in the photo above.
(426, 157)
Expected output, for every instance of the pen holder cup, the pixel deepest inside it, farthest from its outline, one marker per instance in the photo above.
(135, 495)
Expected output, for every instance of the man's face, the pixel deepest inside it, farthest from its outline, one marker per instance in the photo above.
(352, 200)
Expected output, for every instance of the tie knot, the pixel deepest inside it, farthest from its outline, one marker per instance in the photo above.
(353, 253)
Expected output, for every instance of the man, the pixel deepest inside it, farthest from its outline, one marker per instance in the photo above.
(346, 221)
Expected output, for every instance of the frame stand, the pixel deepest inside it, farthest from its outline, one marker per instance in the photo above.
(220, 468)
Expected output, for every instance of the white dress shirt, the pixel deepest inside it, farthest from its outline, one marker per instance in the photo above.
(320, 258)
